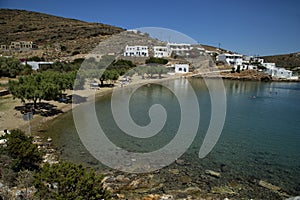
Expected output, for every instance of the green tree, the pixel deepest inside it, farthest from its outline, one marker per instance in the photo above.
(141, 70)
(69, 181)
(10, 67)
(41, 86)
(24, 154)
(161, 70)
(130, 73)
(33, 88)
(109, 75)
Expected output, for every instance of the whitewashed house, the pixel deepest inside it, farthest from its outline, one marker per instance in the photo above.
(137, 51)
(234, 60)
(181, 68)
(161, 51)
(277, 72)
(269, 65)
(280, 73)
(181, 49)
(36, 65)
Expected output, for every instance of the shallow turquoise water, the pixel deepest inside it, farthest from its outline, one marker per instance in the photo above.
(260, 139)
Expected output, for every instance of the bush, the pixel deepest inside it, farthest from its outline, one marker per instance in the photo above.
(35, 58)
(24, 154)
(161, 61)
(124, 63)
(69, 181)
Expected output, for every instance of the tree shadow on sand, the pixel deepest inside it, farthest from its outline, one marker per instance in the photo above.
(43, 109)
(46, 109)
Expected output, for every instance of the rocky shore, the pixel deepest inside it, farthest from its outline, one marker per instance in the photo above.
(178, 182)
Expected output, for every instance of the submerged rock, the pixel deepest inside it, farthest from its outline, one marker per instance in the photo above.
(273, 188)
(222, 190)
(269, 186)
(213, 173)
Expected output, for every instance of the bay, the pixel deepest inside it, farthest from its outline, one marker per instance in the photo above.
(260, 138)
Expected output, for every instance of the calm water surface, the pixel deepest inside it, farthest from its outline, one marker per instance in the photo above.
(260, 139)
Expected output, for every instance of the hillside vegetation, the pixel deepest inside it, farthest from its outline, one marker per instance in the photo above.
(288, 61)
(52, 33)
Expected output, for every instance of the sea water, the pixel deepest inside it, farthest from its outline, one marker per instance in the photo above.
(260, 137)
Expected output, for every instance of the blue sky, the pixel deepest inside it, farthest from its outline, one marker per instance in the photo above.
(256, 27)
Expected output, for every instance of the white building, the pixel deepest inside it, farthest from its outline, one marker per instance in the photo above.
(181, 68)
(269, 65)
(258, 60)
(276, 72)
(137, 51)
(179, 49)
(280, 73)
(36, 65)
(161, 51)
(234, 60)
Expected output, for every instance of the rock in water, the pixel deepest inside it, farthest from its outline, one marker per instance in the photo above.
(213, 173)
(269, 186)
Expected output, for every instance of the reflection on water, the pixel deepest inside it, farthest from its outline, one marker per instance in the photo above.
(260, 138)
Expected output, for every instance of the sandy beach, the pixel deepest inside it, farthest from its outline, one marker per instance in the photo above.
(12, 118)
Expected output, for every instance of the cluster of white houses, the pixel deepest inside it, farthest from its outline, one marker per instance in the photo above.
(249, 63)
(235, 60)
(19, 46)
(158, 51)
(162, 52)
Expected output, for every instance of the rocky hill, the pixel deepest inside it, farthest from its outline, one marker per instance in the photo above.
(66, 39)
(54, 35)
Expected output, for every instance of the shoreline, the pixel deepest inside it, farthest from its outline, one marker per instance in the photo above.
(11, 118)
(15, 120)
